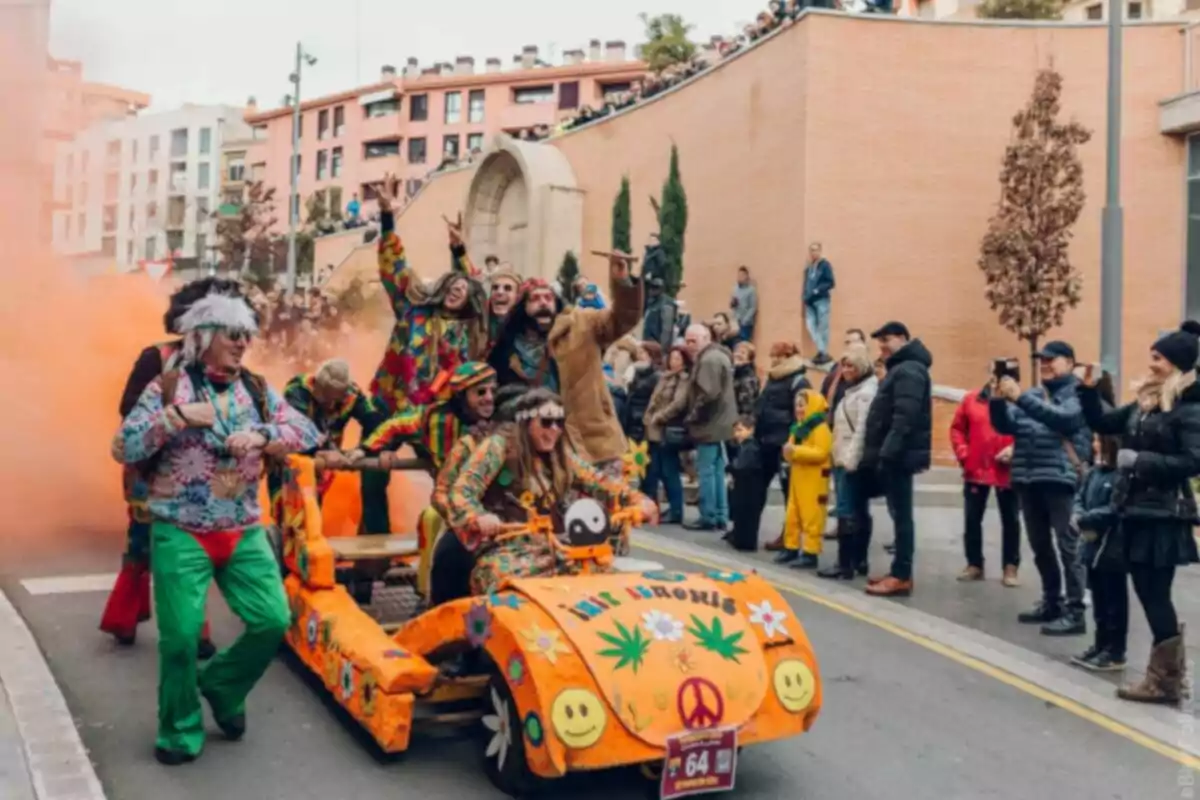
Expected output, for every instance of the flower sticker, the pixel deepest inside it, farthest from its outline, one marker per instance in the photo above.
(497, 723)
(312, 629)
(770, 620)
(327, 632)
(726, 577)
(479, 624)
(505, 478)
(506, 600)
(684, 661)
(347, 681)
(534, 731)
(662, 627)
(636, 460)
(544, 643)
(664, 576)
(369, 694)
(526, 500)
(517, 669)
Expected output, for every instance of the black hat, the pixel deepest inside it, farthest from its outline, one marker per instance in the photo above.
(892, 328)
(1057, 349)
(1181, 347)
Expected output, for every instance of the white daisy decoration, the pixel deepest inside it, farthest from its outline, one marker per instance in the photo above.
(662, 627)
(501, 734)
(768, 618)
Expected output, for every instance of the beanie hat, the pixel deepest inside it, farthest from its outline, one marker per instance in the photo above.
(470, 374)
(1181, 347)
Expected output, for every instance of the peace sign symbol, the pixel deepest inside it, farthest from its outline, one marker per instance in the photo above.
(707, 706)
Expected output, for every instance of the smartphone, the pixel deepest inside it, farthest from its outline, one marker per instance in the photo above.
(1007, 368)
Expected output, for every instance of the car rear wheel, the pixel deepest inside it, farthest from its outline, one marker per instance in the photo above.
(504, 742)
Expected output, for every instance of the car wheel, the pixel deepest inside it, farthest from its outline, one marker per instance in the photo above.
(504, 742)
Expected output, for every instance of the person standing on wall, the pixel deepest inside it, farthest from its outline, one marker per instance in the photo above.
(1051, 448)
(744, 304)
(898, 445)
(818, 300)
(986, 458)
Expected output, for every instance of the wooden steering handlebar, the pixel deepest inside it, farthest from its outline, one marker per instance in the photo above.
(376, 464)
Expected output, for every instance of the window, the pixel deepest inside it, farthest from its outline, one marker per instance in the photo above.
(151, 247)
(112, 155)
(453, 108)
(110, 217)
(339, 120)
(108, 246)
(450, 146)
(335, 163)
(1134, 11)
(568, 95)
(205, 141)
(133, 183)
(152, 181)
(416, 150)
(204, 177)
(179, 143)
(418, 108)
(175, 243)
(259, 133)
(533, 94)
(474, 142)
(154, 147)
(203, 210)
(151, 211)
(258, 170)
(178, 181)
(132, 217)
(322, 164)
(237, 170)
(384, 108)
(381, 149)
(369, 192)
(475, 104)
(202, 247)
(323, 124)
(176, 212)
(1095, 11)
(335, 202)
(83, 193)
(112, 187)
(129, 254)
(133, 150)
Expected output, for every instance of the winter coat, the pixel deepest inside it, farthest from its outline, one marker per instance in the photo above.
(775, 410)
(1043, 422)
(745, 388)
(833, 387)
(711, 402)
(745, 304)
(639, 391)
(818, 281)
(976, 443)
(668, 404)
(1154, 499)
(900, 424)
(658, 324)
(850, 422)
(808, 485)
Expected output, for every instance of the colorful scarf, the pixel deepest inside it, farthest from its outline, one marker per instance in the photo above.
(801, 430)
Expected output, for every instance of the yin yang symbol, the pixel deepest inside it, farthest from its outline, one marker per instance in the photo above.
(586, 523)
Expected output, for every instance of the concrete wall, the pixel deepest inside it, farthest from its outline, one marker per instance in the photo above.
(883, 139)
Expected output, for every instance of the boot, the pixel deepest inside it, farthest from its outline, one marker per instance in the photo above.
(845, 553)
(775, 545)
(862, 545)
(1164, 675)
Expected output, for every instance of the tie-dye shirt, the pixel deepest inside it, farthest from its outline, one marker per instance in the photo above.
(196, 484)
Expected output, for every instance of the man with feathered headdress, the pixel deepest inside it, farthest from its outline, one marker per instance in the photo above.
(202, 429)
(129, 602)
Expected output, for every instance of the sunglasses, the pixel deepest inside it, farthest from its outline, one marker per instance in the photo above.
(238, 336)
(553, 424)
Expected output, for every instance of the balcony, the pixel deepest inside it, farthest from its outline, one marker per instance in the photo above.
(525, 115)
(373, 170)
(385, 127)
(1180, 114)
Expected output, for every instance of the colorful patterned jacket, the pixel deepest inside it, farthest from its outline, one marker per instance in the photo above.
(432, 429)
(196, 484)
(356, 406)
(424, 341)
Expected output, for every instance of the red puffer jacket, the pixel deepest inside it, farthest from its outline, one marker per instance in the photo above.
(976, 443)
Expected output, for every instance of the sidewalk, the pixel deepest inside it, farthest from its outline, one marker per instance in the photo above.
(986, 606)
(41, 754)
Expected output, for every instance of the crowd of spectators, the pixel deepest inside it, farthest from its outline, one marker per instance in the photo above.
(303, 329)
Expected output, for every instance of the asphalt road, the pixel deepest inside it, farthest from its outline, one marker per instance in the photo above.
(899, 721)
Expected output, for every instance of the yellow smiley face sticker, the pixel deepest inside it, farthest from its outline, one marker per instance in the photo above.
(795, 685)
(578, 717)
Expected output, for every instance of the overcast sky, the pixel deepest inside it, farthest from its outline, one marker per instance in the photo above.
(222, 51)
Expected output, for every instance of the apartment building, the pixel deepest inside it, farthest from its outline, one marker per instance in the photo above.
(1073, 11)
(408, 123)
(145, 187)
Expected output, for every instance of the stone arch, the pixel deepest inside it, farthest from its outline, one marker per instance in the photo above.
(524, 207)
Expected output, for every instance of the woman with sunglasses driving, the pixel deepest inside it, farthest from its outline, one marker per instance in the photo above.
(525, 466)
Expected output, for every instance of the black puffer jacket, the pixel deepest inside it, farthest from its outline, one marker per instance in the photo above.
(899, 431)
(1154, 500)
(775, 410)
(639, 391)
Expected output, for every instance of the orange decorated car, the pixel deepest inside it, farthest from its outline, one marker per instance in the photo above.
(613, 665)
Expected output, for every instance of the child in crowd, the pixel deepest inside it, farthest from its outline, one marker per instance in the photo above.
(747, 471)
(1095, 516)
(809, 450)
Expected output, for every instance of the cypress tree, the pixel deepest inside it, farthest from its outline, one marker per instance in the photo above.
(672, 222)
(622, 238)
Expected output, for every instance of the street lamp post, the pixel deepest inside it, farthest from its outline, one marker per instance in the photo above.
(302, 58)
(1112, 222)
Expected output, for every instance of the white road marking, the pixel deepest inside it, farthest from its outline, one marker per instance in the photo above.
(69, 584)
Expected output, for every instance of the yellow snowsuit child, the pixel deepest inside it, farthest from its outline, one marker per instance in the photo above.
(809, 450)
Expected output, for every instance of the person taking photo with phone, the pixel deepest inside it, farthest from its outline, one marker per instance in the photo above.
(1051, 449)
(1153, 499)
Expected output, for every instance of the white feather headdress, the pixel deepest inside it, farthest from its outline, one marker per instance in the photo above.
(208, 315)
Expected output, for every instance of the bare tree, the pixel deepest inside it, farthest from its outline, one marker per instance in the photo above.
(244, 239)
(1024, 255)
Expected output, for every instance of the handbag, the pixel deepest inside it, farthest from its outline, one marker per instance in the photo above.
(676, 436)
